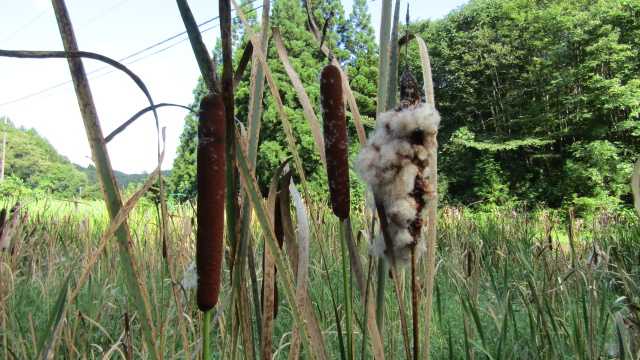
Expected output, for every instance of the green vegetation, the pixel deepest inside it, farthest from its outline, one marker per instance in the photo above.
(539, 100)
(34, 167)
(538, 247)
(510, 285)
(353, 43)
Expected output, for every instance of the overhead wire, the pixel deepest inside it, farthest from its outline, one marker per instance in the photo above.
(130, 56)
(24, 26)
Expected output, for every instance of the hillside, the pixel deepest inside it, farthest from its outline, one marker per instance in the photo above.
(122, 178)
(34, 165)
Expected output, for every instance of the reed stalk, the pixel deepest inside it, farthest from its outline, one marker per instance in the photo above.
(206, 335)
(383, 88)
(255, 121)
(345, 228)
(105, 174)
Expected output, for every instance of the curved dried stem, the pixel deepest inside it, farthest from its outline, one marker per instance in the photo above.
(137, 115)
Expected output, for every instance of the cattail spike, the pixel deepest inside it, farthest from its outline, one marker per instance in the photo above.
(335, 139)
(211, 193)
(409, 90)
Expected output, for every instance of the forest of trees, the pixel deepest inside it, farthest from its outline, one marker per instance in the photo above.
(540, 102)
(539, 99)
(33, 166)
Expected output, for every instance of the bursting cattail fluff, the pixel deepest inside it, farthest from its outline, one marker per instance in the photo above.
(211, 193)
(395, 163)
(335, 139)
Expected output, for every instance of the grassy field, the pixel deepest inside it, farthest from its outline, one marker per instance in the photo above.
(510, 284)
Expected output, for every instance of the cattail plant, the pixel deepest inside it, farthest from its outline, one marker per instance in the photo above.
(211, 166)
(336, 152)
(211, 192)
(395, 164)
(399, 163)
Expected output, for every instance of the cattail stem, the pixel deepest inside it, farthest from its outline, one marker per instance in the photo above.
(345, 228)
(382, 271)
(415, 305)
(206, 335)
(431, 237)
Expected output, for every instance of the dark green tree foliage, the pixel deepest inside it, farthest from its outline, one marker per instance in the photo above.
(362, 64)
(181, 182)
(307, 59)
(539, 100)
(35, 165)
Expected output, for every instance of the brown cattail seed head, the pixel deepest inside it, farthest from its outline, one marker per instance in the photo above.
(211, 192)
(335, 139)
(409, 90)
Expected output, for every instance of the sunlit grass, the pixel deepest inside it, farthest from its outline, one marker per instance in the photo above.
(505, 286)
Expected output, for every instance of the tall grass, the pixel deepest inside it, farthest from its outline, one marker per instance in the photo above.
(506, 287)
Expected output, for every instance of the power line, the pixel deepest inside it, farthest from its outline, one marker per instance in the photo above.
(43, 12)
(103, 13)
(25, 26)
(153, 53)
(136, 53)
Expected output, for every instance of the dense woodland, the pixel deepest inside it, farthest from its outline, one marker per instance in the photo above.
(539, 99)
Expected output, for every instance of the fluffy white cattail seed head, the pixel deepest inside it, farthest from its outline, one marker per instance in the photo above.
(395, 164)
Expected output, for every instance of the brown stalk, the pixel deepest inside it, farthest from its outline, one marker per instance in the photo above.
(269, 289)
(211, 166)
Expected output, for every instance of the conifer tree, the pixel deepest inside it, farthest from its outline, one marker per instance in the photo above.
(359, 41)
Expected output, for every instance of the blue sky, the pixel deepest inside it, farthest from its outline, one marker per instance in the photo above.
(116, 28)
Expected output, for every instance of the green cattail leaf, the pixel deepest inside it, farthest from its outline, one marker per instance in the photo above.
(394, 59)
(383, 66)
(207, 67)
